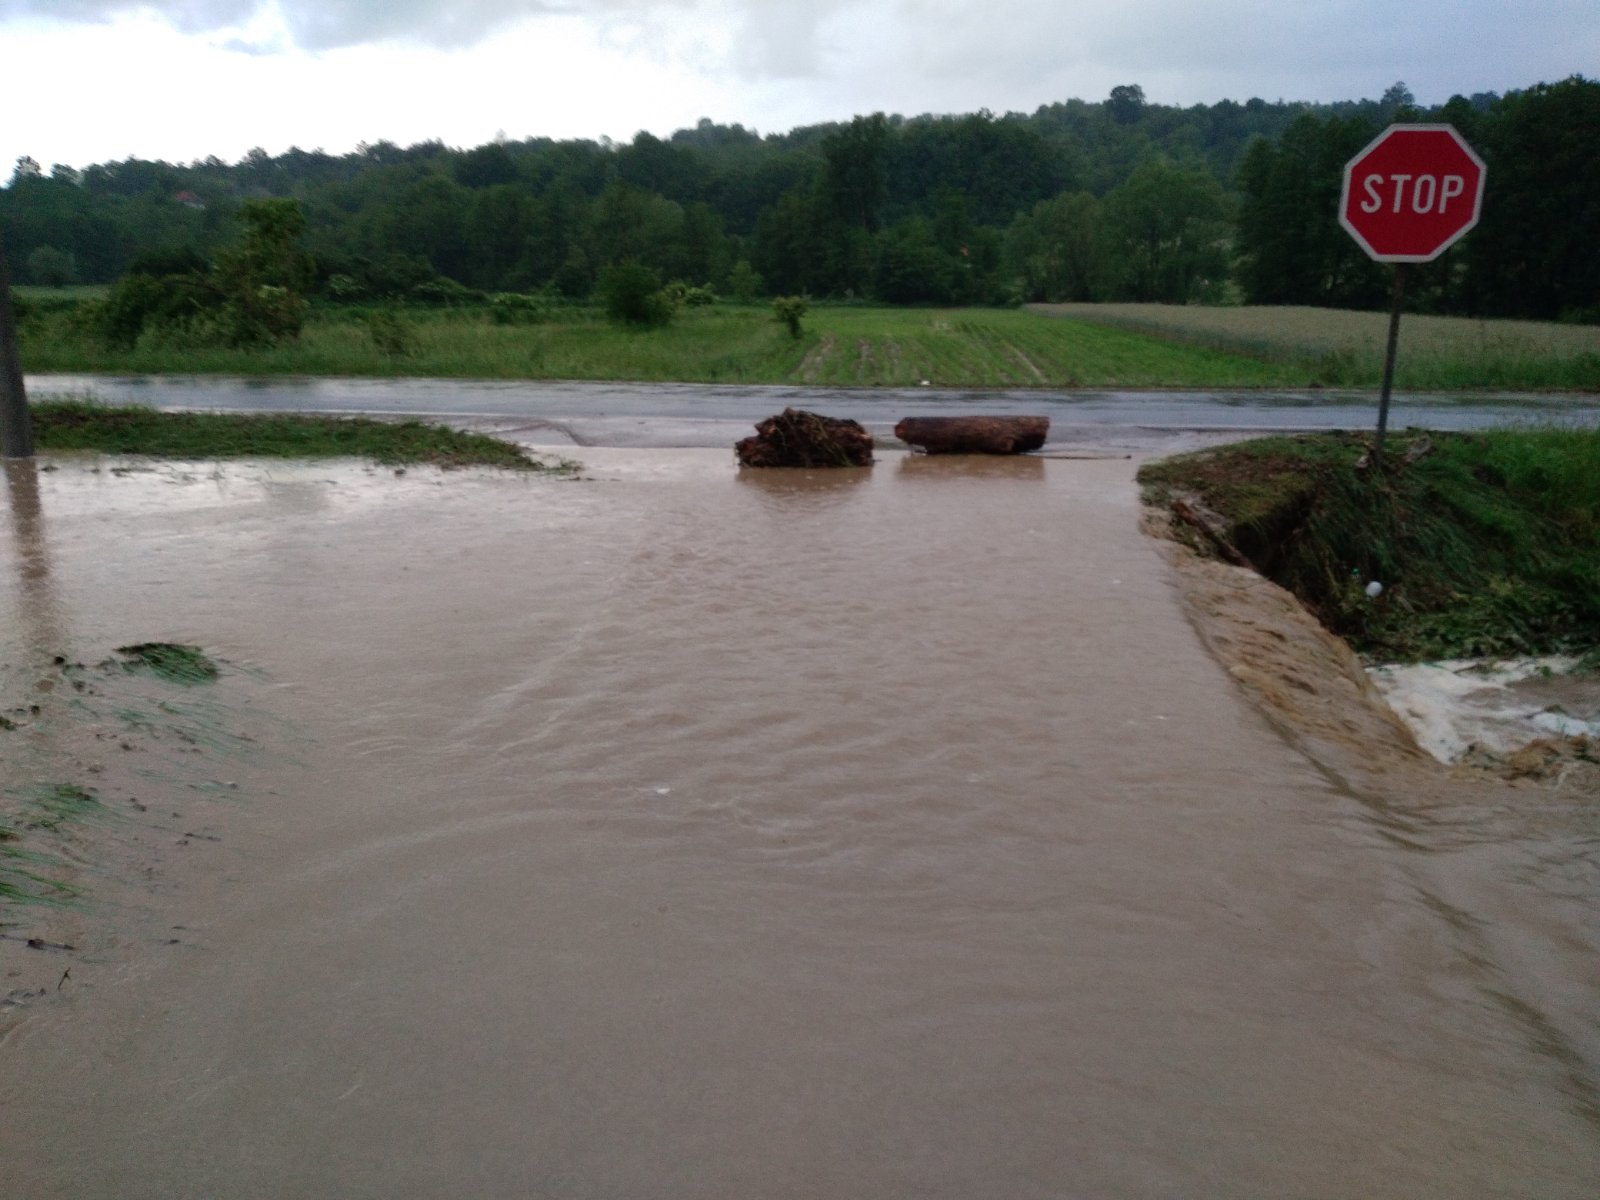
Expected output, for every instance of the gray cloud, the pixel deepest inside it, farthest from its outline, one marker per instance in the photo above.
(894, 54)
(331, 24)
(189, 16)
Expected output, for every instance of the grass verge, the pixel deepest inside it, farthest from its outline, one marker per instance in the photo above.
(1487, 544)
(71, 424)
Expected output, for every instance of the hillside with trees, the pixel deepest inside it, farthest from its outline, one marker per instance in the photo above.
(1120, 199)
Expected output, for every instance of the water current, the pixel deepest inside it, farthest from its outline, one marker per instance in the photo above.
(677, 832)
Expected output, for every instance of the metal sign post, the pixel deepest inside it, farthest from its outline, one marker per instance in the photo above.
(1408, 197)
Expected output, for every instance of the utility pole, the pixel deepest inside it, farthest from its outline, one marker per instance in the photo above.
(16, 427)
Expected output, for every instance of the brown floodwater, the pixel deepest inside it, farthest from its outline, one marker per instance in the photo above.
(678, 832)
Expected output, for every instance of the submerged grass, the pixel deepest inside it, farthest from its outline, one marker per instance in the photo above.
(1487, 545)
(75, 424)
(1337, 347)
(26, 874)
(170, 661)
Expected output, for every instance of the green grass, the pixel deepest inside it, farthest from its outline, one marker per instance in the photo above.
(26, 873)
(1101, 346)
(1339, 348)
(841, 346)
(170, 661)
(72, 424)
(1488, 545)
(30, 293)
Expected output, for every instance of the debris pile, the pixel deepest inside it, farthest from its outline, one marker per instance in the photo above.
(797, 438)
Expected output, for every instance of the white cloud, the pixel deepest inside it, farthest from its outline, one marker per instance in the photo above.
(109, 78)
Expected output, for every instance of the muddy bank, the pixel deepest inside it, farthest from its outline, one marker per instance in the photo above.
(1460, 724)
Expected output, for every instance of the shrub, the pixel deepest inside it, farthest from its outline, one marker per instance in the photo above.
(346, 289)
(745, 282)
(391, 333)
(52, 267)
(686, 295)
(518, 308)
(137, 303)
(443, 293)
(631, 294)
(262, 315)
(787, 310)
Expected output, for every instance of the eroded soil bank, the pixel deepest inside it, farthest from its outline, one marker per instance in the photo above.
(677, 832)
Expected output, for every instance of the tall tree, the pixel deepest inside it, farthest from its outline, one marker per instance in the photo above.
(1168, 230)
(1537, 250)
(853, 175)
(1291, 248)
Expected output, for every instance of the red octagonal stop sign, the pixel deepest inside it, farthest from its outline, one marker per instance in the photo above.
(1412, 193)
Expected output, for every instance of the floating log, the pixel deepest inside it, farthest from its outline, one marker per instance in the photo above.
(797, 438)
(974, 435)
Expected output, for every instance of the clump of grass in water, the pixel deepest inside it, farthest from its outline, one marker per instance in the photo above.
(53, 804)
(20, 882)
(46, 807)
(170, 661)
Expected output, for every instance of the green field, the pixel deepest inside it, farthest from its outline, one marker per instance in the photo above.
(1337, 348)
(1058, 347)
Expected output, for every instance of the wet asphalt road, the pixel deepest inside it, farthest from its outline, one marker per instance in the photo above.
(682, 414)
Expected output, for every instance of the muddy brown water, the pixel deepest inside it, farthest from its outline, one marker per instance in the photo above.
(683, 833)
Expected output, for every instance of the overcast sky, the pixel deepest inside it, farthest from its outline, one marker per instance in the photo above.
(99, 80)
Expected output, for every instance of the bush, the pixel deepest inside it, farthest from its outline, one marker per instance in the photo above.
(745, 282)
(142, 302)
(51, 267)
(518, 308)
(787, 310)
(443, 293)
(391, 333)
(686, 295)
(346, 289)
(262, 315)
(631, 294)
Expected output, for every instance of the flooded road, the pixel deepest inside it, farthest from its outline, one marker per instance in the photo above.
(684, 833)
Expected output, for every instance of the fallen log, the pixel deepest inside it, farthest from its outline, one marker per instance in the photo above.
(974, 435)
(797, 438)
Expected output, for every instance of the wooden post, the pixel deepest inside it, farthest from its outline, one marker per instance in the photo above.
(16, 428)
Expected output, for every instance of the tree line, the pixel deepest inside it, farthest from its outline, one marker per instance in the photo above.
(1120, 199)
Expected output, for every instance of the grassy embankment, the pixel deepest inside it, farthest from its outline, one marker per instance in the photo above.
(83, 425)
(1338, 348)
(1487, 545)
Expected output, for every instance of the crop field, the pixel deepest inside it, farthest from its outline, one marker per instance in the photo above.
(846, 346)
(1339, 347)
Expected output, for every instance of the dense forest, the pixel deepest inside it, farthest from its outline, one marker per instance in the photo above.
(1120, 199)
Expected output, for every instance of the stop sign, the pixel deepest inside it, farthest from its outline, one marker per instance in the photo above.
(1412, 193)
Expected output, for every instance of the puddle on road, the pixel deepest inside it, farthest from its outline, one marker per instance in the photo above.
(679, 832)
